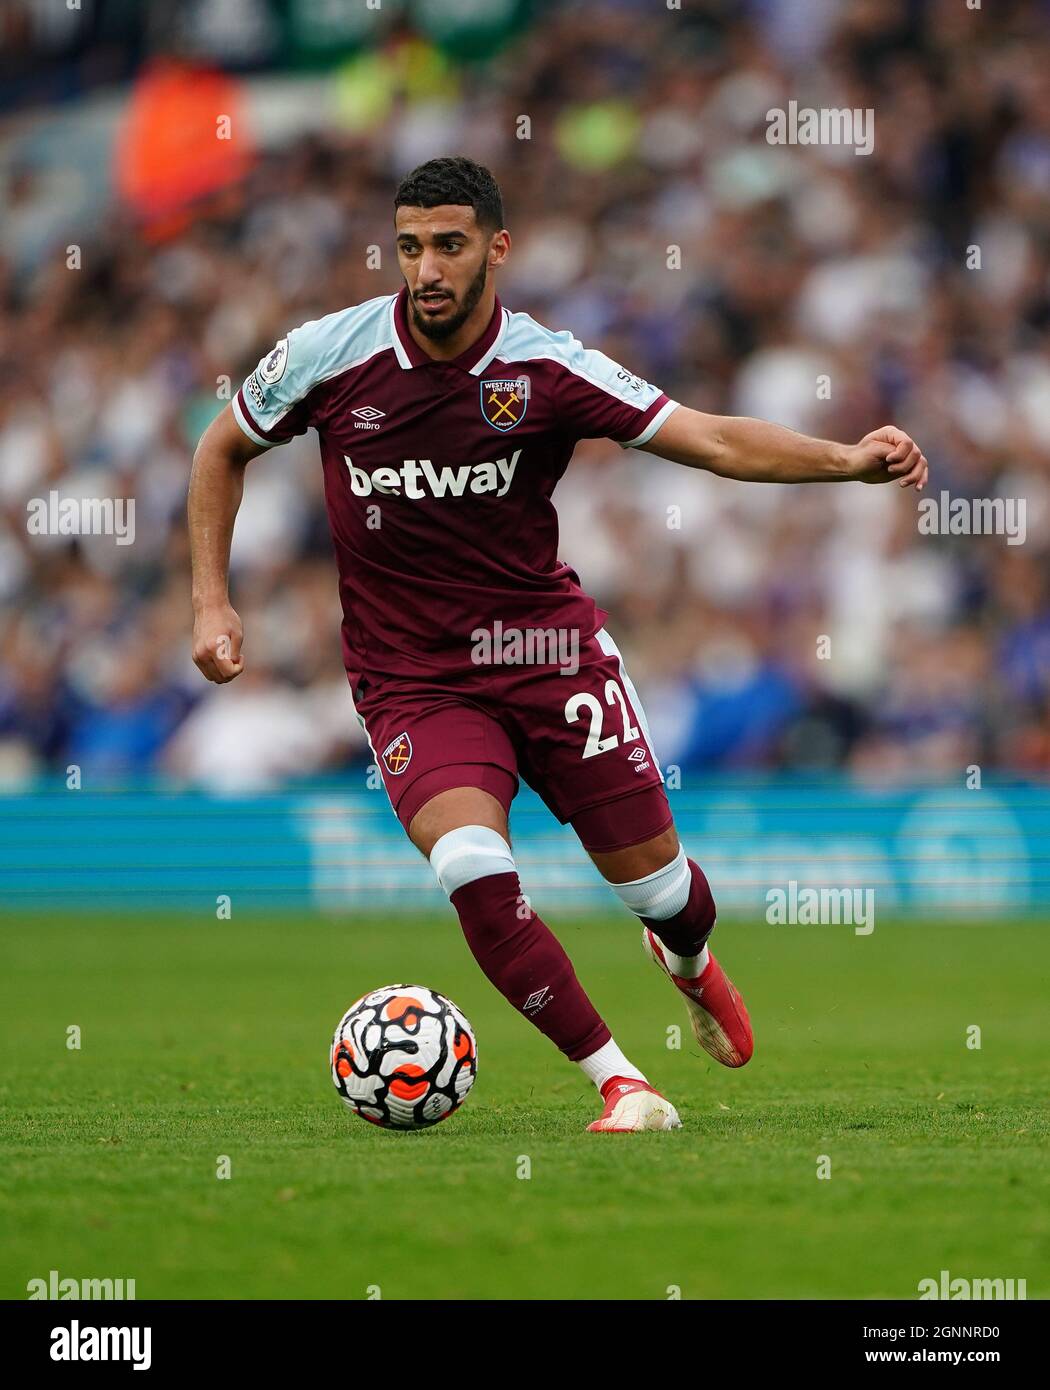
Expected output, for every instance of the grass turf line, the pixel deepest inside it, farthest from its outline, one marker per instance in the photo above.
(202, 1039)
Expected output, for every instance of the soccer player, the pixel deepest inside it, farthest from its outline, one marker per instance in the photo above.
(473, 654)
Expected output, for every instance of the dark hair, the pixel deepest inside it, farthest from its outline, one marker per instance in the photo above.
(456, 180)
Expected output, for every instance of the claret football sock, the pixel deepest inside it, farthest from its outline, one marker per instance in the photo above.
(525, 961)
(515, 949)
(677, 904)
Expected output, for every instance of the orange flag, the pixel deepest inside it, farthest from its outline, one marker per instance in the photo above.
(183, 139)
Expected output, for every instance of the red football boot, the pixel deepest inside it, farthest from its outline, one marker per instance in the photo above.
(720, 1022)
(631, 1105)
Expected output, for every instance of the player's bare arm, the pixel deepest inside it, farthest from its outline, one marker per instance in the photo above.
(216, 487)
(756, 451)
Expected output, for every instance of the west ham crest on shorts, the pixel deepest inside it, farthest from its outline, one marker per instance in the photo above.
(504, 401)
(397, 755)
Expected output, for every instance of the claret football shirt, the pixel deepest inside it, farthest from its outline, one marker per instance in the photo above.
(438, 475)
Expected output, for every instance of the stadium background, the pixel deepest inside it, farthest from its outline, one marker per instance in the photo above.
(154, 1020)
(646, 132)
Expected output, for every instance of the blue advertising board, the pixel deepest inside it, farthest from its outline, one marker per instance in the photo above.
(335, 847)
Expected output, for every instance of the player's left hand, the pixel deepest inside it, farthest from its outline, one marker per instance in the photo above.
(886, 455)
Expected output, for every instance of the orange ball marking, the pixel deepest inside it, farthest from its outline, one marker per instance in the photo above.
(340, 1058)
(405, 1089)
(400, 1005)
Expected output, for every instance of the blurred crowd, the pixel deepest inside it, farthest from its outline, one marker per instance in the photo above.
(805, 628)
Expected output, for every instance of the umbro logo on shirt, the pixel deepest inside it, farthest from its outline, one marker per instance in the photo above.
(367, 417)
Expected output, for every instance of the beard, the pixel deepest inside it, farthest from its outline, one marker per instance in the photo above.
(437, 332)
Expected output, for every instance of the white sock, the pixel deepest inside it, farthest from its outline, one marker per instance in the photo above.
(607, 1062)
(686, 967)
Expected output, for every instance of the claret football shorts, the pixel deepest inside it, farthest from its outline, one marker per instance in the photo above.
(579, 739)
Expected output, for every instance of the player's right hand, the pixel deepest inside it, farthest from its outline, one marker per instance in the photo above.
(886, 455)
(217, 637)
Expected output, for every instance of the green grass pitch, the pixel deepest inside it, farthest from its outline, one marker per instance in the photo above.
(208, 1038)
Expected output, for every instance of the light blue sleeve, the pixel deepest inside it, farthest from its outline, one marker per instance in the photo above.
(273, 403)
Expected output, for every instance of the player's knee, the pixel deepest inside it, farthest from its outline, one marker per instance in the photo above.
(669, 891)
(469, 853)
(660, 894)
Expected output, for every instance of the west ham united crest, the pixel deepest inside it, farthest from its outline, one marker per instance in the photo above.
(504, 401)
(397, 755)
